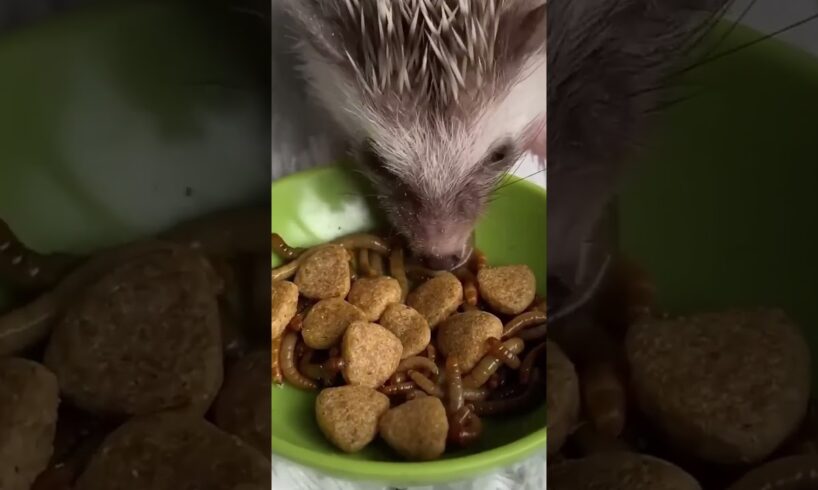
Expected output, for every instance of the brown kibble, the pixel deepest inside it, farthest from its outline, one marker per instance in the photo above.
(793, 472)
(409, 326)
(145, 337)
(242, 408)
(728, 387)
(284, 305)
(562, 396)
(348, 415)
(28, 420)
(437, 298)
(169, 451)
(371, 354)
(325, 273)
(417, 429)
(373, 294)
(326, 322)
(464, 336)
(619, 471)
(508, 289)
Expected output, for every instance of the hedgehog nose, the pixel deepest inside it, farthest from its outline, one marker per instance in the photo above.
(444, 262)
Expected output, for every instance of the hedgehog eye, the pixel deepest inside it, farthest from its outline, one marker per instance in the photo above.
(501, 157)
(499, 154)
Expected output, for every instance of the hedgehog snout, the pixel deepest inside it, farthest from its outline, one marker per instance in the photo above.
(442, 246)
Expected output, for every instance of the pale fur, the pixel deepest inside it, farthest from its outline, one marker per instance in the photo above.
(431, 126)
(448, 149)
(436, 98)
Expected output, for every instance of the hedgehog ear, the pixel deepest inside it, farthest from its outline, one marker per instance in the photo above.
(313, 25)
(529, 31)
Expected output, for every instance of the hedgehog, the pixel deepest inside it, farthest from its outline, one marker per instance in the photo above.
(612, 67)
(437, 100)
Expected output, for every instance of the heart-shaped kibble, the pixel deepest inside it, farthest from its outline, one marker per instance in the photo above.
(620, 471)
(371, 354)
(29, 398)
(508, 289)
(417, 429)
(409, 326)
(562, 397)
(692, 378)
(373, 294)
(464, 336)
(437, 298)
(326, 322)
(283, 306)
(348, 416)
(325, 273)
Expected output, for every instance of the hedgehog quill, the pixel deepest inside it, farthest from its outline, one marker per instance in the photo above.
(437, 99)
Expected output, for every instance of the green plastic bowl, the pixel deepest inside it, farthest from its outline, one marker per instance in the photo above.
(723, 210)
(313, 207)
(122, 119)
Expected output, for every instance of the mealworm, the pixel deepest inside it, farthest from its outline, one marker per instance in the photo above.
(478, 260)
(425, 384)
(471, 296)
(288, 367)
(604, 396)
(417, 363)
(489, 365)
(283, 250)
(26, 326)
(307, 368)
(297, 322)
(475, 394)
(363, 240)
(523, 321)
(364, 267)
(431, 353)
(523, 400)
(454, 385)
(498, 350)
(376, 263)
(397, 389)
(465, 427)
(397, 268)
(278, 376)
(22, 267)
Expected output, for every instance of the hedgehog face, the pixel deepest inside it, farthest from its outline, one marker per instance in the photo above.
(438, 99)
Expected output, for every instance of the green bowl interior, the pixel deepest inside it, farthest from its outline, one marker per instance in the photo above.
(104, 138)
(120, 120)
(316, 206)
(723, 209)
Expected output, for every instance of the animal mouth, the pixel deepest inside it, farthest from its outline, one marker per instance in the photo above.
(467, 253)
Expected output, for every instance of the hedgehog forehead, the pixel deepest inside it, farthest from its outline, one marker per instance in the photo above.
(435, 51)
(444, 54)
(433, 157)
(463, 140)
(435, 150)
(434, 83)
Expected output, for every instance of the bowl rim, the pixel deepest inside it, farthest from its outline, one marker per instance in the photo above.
(423, 473)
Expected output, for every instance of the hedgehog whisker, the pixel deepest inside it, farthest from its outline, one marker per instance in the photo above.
(732, 28)
(521, 179)
(746, 45)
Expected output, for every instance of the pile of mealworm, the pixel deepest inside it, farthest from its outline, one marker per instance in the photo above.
(717, 400)
(470, 342)
(141, 366)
